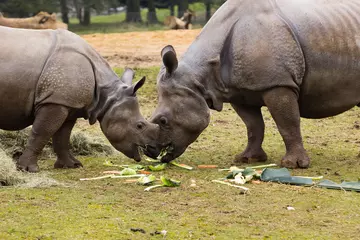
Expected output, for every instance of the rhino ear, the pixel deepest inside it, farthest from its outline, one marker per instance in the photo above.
(138, 85)
(128, 76)
(169, 58)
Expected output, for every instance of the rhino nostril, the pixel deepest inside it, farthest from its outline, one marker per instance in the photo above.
(139, 126)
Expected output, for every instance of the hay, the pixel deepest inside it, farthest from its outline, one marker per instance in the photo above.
(84, 145)
(14, 143)
(9, 176)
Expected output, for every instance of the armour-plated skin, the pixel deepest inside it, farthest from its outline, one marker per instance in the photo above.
(299, 58)
(50, 78)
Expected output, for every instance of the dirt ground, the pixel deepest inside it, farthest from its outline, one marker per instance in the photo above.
(135, 49)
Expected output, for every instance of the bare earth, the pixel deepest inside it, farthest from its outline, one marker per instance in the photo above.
(139, 49)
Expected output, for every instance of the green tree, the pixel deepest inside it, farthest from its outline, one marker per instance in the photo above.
(151, 16)
(27, 8)
(64, 11)
(183, 5)
(133, 11)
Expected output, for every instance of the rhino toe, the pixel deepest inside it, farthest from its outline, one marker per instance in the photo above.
(296, 161)
(68, 162)
(33, 168)
(249, 156)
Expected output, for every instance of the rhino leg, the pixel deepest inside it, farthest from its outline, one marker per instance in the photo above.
(284, 108)
(49, 118)
(254, 122)
(61, 145)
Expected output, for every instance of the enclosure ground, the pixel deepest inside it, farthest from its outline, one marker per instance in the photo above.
(139, 49)
(108, 209)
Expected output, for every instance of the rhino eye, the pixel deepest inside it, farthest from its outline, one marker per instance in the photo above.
(163, 121)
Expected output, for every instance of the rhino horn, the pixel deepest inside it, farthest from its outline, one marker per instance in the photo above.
(169, 58)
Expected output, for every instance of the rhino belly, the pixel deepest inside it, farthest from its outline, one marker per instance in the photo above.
(329, 34)
(16, 105)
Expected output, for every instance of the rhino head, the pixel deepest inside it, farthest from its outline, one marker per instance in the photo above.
(117, 110)
(183, 107)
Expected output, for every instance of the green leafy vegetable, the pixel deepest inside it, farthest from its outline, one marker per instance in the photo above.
(128, 171)
(168, 182)
(158, 167)
(146, 180)
(181, 165)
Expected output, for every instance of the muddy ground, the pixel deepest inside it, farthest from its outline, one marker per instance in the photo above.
(135, 49)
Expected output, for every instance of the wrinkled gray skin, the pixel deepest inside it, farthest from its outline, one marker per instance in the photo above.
(298, 58)
(50, 78)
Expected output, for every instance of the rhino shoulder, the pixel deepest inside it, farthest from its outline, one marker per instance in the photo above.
(261, 52)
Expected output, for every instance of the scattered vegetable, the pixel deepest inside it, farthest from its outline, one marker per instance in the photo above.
(96, 178)
(243, 189)
(158, 167)
(181, 165)
(166, 182)
(207, 166)
(152, 160)
(128, 171)
(146, 180)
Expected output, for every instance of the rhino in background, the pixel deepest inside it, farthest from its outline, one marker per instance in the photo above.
(49, 79)
(298, 58)
(185, 22)
(42, 20)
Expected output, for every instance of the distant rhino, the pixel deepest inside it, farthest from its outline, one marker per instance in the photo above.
(300, 58)
(50, 78)
(42, 20)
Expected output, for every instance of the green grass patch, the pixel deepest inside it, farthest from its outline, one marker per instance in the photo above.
(115, 23)
(109, 208)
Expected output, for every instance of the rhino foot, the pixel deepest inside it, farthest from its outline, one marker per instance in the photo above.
(251, 156)
(296, 161)
(27, 162)
(68, 162)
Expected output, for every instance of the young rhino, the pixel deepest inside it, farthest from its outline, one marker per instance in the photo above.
(50, 78)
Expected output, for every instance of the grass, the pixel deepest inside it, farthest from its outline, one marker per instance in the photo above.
(108, 209)
(115, 23)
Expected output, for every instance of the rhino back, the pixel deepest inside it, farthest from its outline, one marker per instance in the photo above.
(23, 56)
(329, 33)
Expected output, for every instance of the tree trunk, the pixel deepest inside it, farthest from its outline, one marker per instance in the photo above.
(87, 15)
(151, 16)
(183, 6)
(172, 6)
(64, 11)
(78, 11)
(133, 11)
(208, 9)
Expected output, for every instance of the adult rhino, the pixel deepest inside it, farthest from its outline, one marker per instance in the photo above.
(299, 58)
(50, 78)
(42, 20)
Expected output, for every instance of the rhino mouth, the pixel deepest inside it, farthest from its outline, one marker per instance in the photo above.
(167, 153)
(148, 150)
(163, 153)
